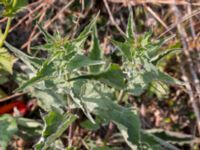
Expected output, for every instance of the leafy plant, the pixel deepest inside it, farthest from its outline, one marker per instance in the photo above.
(92, 83)
(9, 9)
(8, 127)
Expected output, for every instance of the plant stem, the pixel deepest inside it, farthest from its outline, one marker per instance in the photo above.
(120, 97)
(14, 3)
(6, 32)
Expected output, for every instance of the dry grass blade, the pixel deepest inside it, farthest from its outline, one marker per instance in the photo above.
(183, 19)
(136, 2)
(157, 17)
(26, 16)
(47, 24)
(112, 18)
(195, 80)
(11, 97)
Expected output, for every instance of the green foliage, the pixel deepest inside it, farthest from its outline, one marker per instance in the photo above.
(140, 56)
(87, 124)
(32, 62)
(70, 78)
(96, 52)
(8, 127)
(108, 76)
(98, 101)
(172, 137)
(55, 125)
(6, 60)
(7, 8)
(11, 7)
(6, 67)
(28, 129)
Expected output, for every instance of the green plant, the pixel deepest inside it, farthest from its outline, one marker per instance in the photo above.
(68, 79)
(8, 9)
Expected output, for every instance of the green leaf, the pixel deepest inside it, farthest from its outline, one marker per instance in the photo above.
(79, 61)
(168, 79)
(172, 137)
(125, 48)
(45, 73)
(99, 103)
(30, 123)
(162, 55)
(28, 128)
(130, 26)
(87, 124)
(8, 127)
(96, 52)
(160, 89)
(49, 99)
(2, 93)
(31, 62)
(20, 4)
(145, 39)
(77, 98)
(143, 73)
(55, 125)
(154, 143)
(122, 117)
(6, 60)
(113, 77)
(11, 9)
(48, 37)
(80, 40)
(3, 77)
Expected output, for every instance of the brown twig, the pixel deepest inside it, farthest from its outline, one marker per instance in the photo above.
(169, 2)
(195, 80)
(193, 33)
(48, 23)
(3, 20)
(183, 19)
(112, 18)
(157, 18)
(11, 96)
(43, 12)
(25, 17)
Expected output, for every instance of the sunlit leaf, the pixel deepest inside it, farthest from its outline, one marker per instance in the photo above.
(130, 26)
(162, 55)
(6, 60)
(55, 125)
(96, 53)
(45, 73)
(32, 62)
(100, 104)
